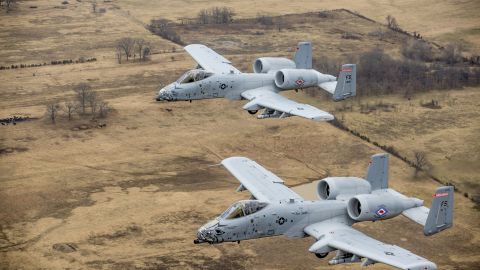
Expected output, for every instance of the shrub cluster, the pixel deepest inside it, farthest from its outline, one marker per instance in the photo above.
(53, 62)
(378, 73)
(215, 15)
(164, 28)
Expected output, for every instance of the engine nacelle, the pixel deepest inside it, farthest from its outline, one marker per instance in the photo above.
(378, 206)
(332, 187)
(296, 78)
(267, 64)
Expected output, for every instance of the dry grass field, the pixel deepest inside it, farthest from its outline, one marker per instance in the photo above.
(449, 20)
(132, 194)
(448, 135)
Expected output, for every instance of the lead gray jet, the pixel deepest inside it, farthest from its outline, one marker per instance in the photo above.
(274, 209)
(216, 77)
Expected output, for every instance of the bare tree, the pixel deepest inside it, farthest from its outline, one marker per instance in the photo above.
(392, 23)
(118, 54)
(93, 103)
(452, 54)
(83, 91)
(420, 162)
(103, 109)
(69, 108)
(126, 45)
(139, 44)
(8, 4)
(203, 16)
(280, 23)
(52, 111)
(146, 53)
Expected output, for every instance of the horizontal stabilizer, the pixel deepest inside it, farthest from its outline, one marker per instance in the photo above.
(417, 214)
(328, 86)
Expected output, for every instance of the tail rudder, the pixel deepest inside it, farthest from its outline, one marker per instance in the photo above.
(377, 174)
(440, 216)
(347, 83)
(303, 55)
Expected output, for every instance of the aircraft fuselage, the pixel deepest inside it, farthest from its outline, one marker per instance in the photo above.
(216, 86)
(283, 218)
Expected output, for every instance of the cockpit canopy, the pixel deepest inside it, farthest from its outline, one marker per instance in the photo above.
(194, 75)
(243, 208)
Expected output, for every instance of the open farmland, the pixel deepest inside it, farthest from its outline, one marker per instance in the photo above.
(129, 191)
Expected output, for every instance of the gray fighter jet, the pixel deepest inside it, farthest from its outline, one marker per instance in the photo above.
(274, 209)
(215, 77)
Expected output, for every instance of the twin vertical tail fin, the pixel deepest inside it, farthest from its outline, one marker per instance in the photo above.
(440, 216)
(436, 219)
(303, 55)
(346, 83)
(377, 174)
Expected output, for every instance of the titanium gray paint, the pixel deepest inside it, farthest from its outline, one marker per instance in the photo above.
(219, 79)
(348, 200)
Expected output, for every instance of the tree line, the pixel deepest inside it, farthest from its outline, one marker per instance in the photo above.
(53, 62)
(379, 73)
(164, 28)
(215, 15)
(7, 4)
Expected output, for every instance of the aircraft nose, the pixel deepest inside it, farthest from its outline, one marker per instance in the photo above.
(163, 94)
(206, 234)
(202, 236)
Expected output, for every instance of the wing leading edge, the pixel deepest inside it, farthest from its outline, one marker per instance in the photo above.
(350, 241)
(267, 98)
(263, 184)
(209, 60)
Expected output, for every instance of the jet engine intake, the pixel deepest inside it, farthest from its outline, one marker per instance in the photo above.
(270, 64)
(332, 187)
(372, 207)
(296, 78)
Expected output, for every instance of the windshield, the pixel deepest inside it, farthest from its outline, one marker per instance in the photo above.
(194, 76)
(243, 208)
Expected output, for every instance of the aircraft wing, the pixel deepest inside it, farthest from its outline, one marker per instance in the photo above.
(209, 60)
(267, 98)
(263, 184)
(344, 238)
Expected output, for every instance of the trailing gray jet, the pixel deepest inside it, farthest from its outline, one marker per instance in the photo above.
(215, 77)
(274, 209)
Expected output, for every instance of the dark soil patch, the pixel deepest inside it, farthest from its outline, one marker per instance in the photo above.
(11, 150)
(199, 175)
(130, 231)
(65, 247)
(15, 119)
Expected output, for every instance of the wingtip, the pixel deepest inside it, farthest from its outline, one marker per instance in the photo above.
(324, 118)
(423, 266)
(231, 159)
